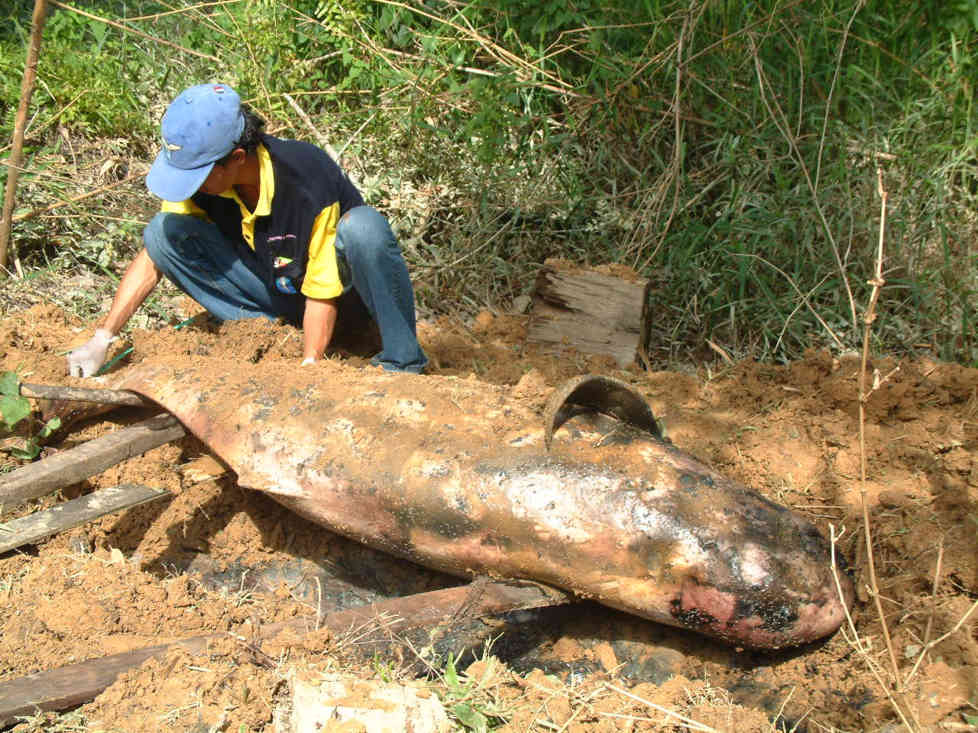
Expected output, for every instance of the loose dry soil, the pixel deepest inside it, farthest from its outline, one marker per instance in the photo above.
(218, 558)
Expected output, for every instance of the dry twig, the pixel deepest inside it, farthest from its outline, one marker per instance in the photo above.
(130, 29)
(870, 316)
(80, 197)
(692, 724)
(852, 636)
(930, 617)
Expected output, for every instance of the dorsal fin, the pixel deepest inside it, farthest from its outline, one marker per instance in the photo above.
(594, 393)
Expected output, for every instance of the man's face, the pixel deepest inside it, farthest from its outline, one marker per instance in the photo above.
(223, 175)
(218, 180)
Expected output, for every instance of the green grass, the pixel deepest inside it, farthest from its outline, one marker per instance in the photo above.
(727, 151)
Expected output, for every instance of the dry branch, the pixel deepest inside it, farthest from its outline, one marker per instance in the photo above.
(75, 199)
(130, 29)
(83, 394)
(870, 316)
(320, 138)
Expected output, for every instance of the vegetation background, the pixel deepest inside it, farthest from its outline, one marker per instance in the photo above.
(726, 149)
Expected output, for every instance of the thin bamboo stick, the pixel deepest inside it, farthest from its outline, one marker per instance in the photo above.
(79, 197)
(135, 32)
(17, 154)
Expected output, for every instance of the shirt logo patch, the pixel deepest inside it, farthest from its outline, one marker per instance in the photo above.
(281, 262)
(285, 285)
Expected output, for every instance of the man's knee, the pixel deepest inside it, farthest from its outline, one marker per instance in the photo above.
(166, 236)
(363, 232)
(154, 237)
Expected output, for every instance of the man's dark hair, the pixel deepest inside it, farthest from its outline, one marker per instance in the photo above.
(254, 131)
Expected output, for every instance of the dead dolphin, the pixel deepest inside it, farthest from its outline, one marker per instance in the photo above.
(455, 475)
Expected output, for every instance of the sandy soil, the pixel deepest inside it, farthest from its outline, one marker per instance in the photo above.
(216, 557)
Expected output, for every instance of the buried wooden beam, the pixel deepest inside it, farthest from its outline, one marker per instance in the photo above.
(67, 515)
(72, 685)
(77, 464)
(83, 394)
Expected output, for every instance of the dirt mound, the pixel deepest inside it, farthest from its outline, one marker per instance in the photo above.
(216, 557)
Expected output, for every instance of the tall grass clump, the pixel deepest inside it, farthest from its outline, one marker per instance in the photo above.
(726, 150)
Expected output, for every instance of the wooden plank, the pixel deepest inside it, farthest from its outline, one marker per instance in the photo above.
(82, 394)
(559, 331)
(67, 687)
(72, 685)
(69, 514)
(77, 464)
(590, 311)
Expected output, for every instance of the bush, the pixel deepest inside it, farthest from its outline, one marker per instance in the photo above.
(728, 151)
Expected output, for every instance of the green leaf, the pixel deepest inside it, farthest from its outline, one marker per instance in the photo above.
(451, 676)
(9, 383)
(14, 409)
(470, 717)
(49, 427)
(29, 452)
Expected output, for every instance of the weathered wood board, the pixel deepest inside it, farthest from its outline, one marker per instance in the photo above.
(590, 311)
(77, 464)
(69, 514)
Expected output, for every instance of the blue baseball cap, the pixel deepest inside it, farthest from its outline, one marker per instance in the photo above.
(199, 128)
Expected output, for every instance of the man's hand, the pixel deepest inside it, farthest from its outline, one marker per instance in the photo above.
(318, 322)
(87, 358)
(138, 282)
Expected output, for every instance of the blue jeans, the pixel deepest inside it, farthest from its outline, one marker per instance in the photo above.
(225, 278)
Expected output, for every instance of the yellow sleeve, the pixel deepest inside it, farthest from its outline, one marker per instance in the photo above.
(322, 280)
(183, 207)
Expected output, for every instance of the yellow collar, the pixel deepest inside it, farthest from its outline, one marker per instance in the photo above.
(266, 187)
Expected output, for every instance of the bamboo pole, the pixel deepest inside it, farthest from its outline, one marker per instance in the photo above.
(17, 153)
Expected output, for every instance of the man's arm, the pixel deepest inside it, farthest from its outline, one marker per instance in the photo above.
(138, 282)
(318, 323)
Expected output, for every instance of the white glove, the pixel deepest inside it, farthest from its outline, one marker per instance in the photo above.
(87, 358)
